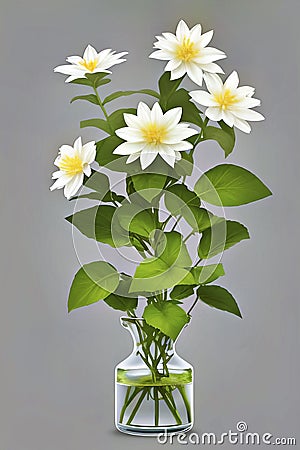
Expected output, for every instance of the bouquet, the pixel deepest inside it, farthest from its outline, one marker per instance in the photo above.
(162, 215)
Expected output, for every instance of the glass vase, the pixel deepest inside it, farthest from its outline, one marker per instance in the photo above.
(153, 385)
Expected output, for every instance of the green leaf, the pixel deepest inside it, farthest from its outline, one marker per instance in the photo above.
(203, 274)
(167, 87)
(190, 112)
(105, 150)
(120, 299)
(99, 223)
(167, 317)
(218, 297)
(98, 182)
(184, 167)
(143, 223)
(184, 193)
(90, 196)
(230, 185)
(225, 136)
(164, 270)
(149, 185)
(221, 236)
(119, 94)
(121, 303)
(93, 282)
(179, 198)
(200, 219)
(181, 292)
(89, 98)
(132, 218)
(116, 119)
(97, 123)
(93, 79)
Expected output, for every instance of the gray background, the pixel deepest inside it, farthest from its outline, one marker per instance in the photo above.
(56, 390)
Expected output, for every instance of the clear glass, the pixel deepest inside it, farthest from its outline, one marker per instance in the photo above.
(153, 385)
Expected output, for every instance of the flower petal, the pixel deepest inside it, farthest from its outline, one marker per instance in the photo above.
(70, 70)
(130, 134)
(206, 38)
(74, 59)
(248, 114)
(172, 65)
(88, 152)
(242, 125)
(132, 158)
(169, 159)
(156, 113)
(203, 98)
(78, 144)
(143, 113)
(87, 170)
(214, 113)
(66, 150)
(213, 82)
(228, 118)
(73, 185)
(181, 146)
(61, 181)
(211, 68)
(195, 33)
(246, 91)
(182, 30)
(90, 54)
(172, 117)
(178, 72)
(128, 148)
(160, 54)
(132, 120)
(147, 158)
(194, 72)
(232, 81)
(178, 135)
(247, 102)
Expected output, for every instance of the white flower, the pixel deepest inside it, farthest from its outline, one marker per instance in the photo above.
(91, 62)
(187, 52)
(228, 102)
(73, 162)
(151, 133)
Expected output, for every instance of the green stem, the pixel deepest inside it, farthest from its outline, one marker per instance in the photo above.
(103, 109)
(176, 223)
(192, 307)
(136, 408)
(166, 221)
(186, 402)
(169, 404)
(156, 406)
(127, 403)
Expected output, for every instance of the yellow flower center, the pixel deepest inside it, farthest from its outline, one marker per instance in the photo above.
(71, 165)
(186, 50)
(226, 98)
(89, 65)
(154, 134)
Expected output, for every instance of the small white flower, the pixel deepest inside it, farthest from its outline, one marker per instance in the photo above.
(187, 52)
(151, 133)
(73, 162)
(91, 62)
(228, 102)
